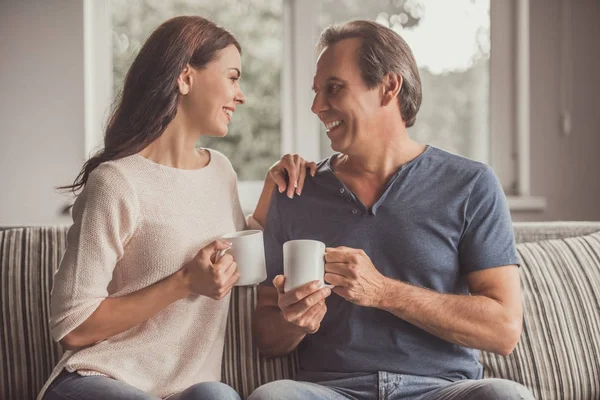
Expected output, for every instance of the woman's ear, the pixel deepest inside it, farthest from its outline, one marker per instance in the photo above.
(184, 81)
(392, 84)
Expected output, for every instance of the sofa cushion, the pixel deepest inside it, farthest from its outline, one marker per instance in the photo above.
(243, 367)
(28, 258)
(558, 356)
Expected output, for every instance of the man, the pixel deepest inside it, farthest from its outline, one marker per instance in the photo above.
(420, 246)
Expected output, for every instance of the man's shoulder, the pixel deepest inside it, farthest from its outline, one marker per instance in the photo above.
(316, 189)
(453, 163)
(445, 169)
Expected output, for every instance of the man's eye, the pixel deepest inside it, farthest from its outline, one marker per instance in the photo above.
(333, 88)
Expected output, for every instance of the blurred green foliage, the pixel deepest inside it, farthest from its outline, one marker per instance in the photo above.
(455, 110)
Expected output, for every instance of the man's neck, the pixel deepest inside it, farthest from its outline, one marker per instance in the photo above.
(378, 163)
(366, 174)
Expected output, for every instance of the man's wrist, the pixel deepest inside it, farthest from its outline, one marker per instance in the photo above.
(387, 288)
(293, 327)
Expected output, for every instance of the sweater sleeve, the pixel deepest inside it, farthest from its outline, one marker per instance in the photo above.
(104, 218)
(238, 215)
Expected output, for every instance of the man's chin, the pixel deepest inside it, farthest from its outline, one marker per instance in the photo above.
(337, 145)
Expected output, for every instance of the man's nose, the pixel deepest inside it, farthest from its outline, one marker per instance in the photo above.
(319, 104)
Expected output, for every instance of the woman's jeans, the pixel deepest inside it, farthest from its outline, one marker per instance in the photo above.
(72, 386)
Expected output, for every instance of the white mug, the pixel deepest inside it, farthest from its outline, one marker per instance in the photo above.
(248, 251)
(303, 262)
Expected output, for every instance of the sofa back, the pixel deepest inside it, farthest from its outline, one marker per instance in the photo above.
(558, 355)
(557, 302)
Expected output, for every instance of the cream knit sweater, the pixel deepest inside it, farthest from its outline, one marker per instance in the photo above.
(135, 223)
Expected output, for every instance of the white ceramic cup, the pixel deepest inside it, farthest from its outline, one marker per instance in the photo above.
(248, 251)
(303, 262)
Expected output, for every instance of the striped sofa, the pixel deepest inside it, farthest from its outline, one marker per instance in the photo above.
(558, 356)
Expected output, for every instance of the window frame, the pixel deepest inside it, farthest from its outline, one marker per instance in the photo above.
(300, 131)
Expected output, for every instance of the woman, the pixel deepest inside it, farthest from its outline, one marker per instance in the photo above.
(139, 301)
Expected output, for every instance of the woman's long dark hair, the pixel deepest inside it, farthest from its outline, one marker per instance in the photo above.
(148, 102)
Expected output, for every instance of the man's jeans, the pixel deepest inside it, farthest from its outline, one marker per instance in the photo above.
(390, 386)
(72, 386)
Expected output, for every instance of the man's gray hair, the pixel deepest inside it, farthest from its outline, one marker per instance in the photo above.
(382, 51)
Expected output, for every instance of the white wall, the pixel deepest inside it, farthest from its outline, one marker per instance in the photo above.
(565, 170)
(41, 107)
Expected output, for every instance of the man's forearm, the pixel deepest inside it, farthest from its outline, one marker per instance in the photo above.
(273, 335)
(471, 321)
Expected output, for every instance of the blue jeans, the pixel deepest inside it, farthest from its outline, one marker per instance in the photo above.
(385, 385)
(72, 386)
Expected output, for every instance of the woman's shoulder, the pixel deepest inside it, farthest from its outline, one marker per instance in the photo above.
(112, 177)
(113, 170)
(220, 160)
(216, 155)
(108, 189)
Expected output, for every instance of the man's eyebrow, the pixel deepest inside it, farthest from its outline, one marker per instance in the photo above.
(329, 80)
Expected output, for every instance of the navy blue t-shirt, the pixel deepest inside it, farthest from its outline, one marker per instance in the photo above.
(440, 217)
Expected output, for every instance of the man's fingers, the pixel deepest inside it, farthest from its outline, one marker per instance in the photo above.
(296, 310)
(342, 292)
(306, 317)
(339, 268)
(336, 280)
(340, 254)
(294, 296)
(311, 320)
(279, 283)
(320, 312)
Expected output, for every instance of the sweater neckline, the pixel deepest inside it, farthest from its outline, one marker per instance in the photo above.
(211, 162)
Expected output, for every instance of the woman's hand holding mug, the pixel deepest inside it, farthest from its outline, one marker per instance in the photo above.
(207, 276)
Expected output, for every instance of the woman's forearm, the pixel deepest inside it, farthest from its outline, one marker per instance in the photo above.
(119, 314)
(260, 213)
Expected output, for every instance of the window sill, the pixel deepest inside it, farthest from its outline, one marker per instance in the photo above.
(526, 203)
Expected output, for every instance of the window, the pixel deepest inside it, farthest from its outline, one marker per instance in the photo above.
(451, 43)
(472, 54)
(253, 142)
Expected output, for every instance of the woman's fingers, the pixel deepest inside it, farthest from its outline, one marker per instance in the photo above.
(312, 167)
(279, 180)
(296, 169)
(301, 177)
(292, 170)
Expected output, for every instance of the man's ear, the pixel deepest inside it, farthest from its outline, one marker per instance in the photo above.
(392, 84)
(184, 81)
